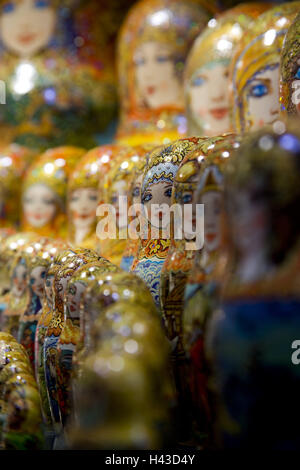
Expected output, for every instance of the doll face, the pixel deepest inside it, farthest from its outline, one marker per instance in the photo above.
(249, 223)
(74, 296)
(26, 26)
(39, 205)
(19, 280)
(118, 189)
(83, 205)
(158, 193)
(157, 81)
(37, 280)
(212, 201)
(262, 95)
(209, 99)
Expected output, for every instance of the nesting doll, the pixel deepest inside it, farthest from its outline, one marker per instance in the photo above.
(252, 336)
(107, 289)
(156, 194)
(134, 200)
(255, 69)
(70, 334)
(44, 191)
(207, 70)
(61, 257)
(19, 400)
(38, 264)
(57, 67)
(290, 71)
(83, 200)
(201, 292)
(116, 189)
(128, 333)
(13, 161)
(53, 332)
(153, 45)
(17, 298)
(9, 247)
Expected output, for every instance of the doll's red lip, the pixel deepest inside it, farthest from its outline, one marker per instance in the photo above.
(219, 113)
(83, 216)
(72, 308)
(210, 237)
(150, 90)
(26, 38)
(37, 216)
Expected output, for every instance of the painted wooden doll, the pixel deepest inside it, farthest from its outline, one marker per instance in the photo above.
(116, 189)
(201, 288)
(290, 71)
(134, 199)
(107, 289)
(157, 190)
(59, 75)
(17, 298)
(44, 191)
(53, 332)
(207, 70)
(9, 247)
(61, 257)
(83, 200)
(186, 243)
(70, 334)
(20, 427)
(251, 337)
(85, 192)
(255, 69)
(153, 45)
(13, 162)
(38, 263)
(126, 335)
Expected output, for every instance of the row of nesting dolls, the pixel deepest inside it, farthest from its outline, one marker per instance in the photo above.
(228, 303)
(179, 70)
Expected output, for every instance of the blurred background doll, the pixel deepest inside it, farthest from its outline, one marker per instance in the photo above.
(290, 71)
(14, 160)
(207, 70)
(83, 199)
(152, 49)
(255, 69)
(57, 63)
(250, 336)
(45, 189)
(116, 193)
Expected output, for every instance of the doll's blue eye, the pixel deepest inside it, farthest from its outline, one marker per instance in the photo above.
(259, 90)
(31, 281)
(297, 75)
(186, 198)
(140, 61)
(162, 58)
(8, 7)
(168, 192)
(147, 197)
(41, 4)
(198, 81)
(136, 192)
